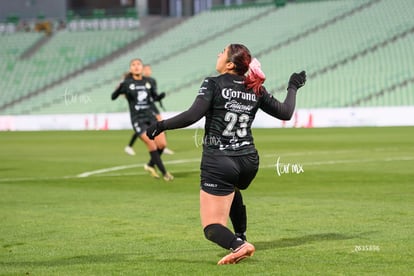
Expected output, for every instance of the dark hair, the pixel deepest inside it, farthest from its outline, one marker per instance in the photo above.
(134, 59)
(241, 58)
(129, 74)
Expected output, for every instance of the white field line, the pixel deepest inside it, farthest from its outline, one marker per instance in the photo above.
(145, 173)
(104, 172)
(329, 162)
(350, 161)
(36, 178)
(118, 168)
(324, 152)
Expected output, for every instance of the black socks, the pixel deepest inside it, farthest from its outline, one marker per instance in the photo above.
(222, 236)
(151, 163)
(238, 215)
(133, 138)
(156, 159)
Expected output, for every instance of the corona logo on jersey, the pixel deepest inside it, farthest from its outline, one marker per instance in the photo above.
(228, 94)
(238, 106)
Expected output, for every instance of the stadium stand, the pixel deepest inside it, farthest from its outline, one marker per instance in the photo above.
(13, 46)
(64, 53)
(356, 53)
(159, 49)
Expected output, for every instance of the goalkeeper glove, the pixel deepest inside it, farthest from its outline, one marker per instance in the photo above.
(155, 129)
(296, 80)
(159, 97)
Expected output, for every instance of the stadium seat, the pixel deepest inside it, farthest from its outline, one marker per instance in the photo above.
(352, 50)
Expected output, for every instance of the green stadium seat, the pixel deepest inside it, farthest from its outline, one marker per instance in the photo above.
(322, 39)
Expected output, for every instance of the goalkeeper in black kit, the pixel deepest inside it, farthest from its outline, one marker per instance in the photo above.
(230, 160)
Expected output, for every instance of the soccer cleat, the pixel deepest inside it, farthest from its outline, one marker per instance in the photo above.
(151, 171)
(243, 251)
(168, 177)
(241, 236)
(129, 150)
(168, 151)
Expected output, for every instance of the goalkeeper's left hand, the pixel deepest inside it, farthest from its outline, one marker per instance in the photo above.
(159, 97)
(155, 129)
(297, 80)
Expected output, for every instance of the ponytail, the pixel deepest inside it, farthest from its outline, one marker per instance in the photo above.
(255, 77)
(127, 75)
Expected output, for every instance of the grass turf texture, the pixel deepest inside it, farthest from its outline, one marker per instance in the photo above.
(349, 212)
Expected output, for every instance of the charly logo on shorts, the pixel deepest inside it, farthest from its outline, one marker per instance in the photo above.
(210, 185)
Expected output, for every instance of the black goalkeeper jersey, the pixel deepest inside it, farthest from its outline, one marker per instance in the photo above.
(230, 116)
(138, 95)
(230, 109)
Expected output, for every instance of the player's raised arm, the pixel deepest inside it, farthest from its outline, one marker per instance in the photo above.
(284, 111)
(197, 110)
(118, 91)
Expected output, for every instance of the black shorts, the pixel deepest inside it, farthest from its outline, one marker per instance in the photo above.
(140, 126)
(220, 174)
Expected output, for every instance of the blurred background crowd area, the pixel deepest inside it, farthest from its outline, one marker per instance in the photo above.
(357, 53)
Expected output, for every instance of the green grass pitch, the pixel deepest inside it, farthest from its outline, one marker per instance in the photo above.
(337, 201)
